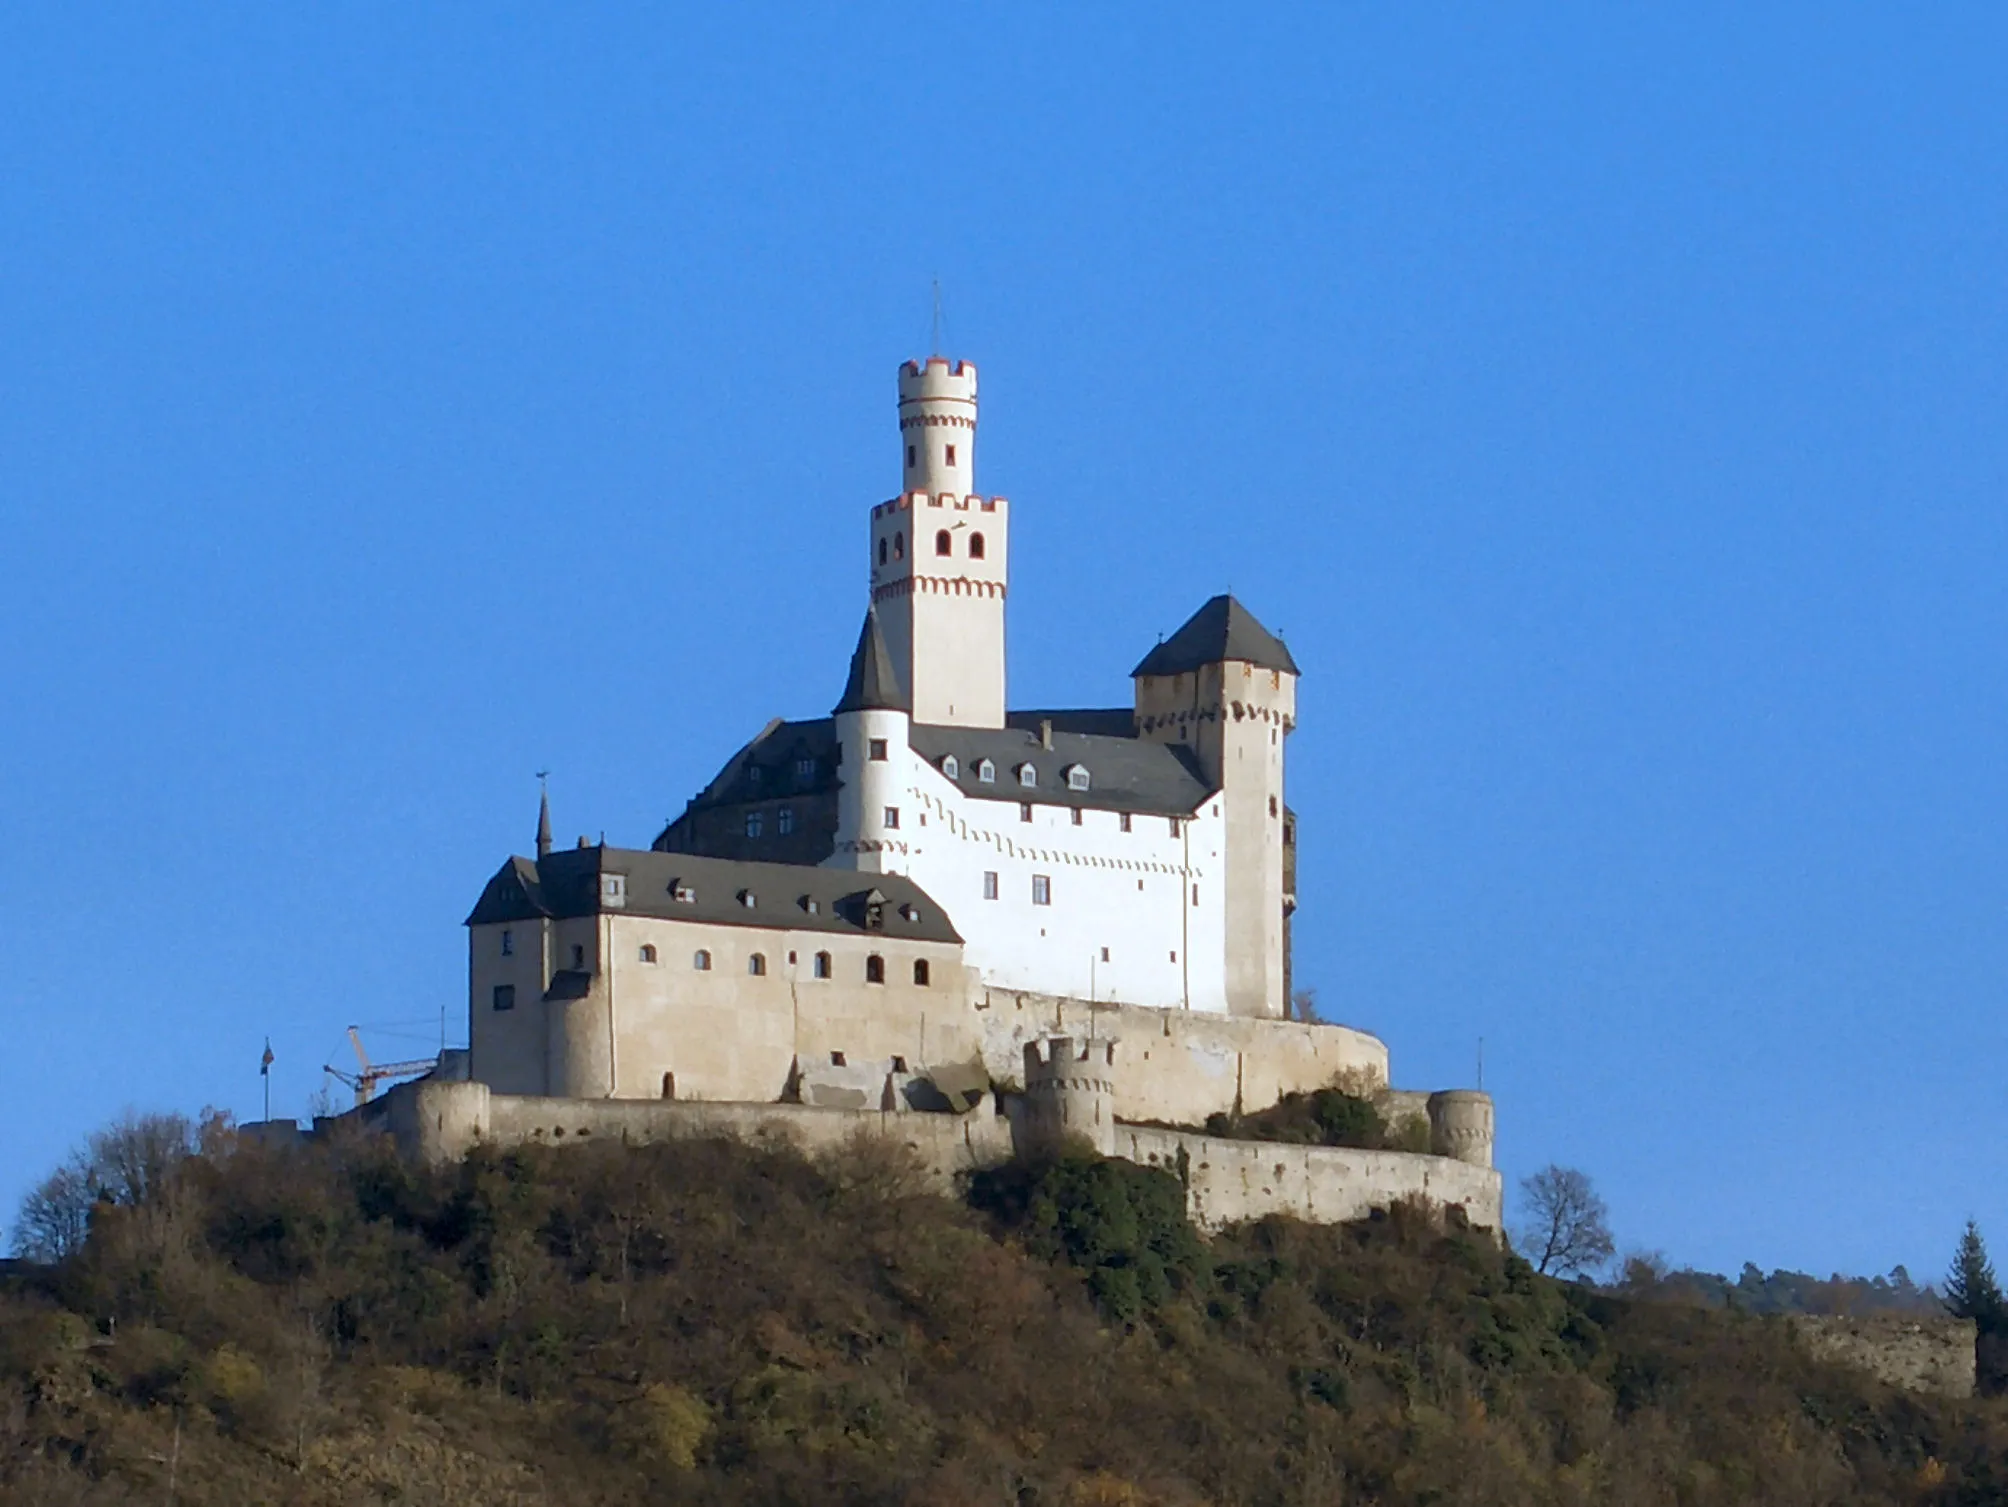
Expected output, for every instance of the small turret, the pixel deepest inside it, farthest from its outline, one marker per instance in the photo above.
(1460, 1125)
(1070, 1096)
(872, 737)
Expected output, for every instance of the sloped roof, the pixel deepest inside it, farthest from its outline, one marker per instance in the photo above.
(1124, 774)
(567, 883)
(874, 683)
(1221, 630)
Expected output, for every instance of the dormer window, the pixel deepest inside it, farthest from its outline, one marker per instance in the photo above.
(805, 769)
(910, 913)
(1027, 775)
(682, 893)
(949, 766)
(811, 906)
(754, 773)
(613, 889)
(748, 899)
(986, 772)
(1077, 777)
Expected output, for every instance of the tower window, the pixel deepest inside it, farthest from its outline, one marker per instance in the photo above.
(505, 996)
(951, 455)
(1042, 889)
(920, 972)
(909, 457)
(753, 823)
(990, 884)
(648, 952)
(578, 956)
(508, 943)
(892, 818)
(757, 965)
(942, 544)
(1272, 805)
(881, 551)
(874, 969)
(822, 968)
(899, 546)
(784, 820)
(875, 750)
(986, 772)
(701, 960)
(976, 546)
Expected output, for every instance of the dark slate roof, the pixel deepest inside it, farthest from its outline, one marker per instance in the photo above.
(1221, 630)
(764, 769)
(874, 683)
(1109, 721)
(567, 883)
(1124, 774)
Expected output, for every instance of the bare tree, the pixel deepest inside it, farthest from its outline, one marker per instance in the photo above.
(56, 1214)
(1567, 1229)
(131, 1163)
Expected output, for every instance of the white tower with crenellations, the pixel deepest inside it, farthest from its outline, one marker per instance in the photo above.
(940, 555)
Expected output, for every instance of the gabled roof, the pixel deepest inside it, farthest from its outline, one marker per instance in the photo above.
(874, 683)
(1221, 630)
(568, 883)
(1125, 774)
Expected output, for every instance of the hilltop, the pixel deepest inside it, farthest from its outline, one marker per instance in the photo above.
(712, 1322)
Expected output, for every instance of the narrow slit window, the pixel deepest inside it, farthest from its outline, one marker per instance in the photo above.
(951, 455)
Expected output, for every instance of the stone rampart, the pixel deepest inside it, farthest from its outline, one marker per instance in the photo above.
(1920, 1353)
(1179, 1066)
(1231, 1181)
(438, 1122)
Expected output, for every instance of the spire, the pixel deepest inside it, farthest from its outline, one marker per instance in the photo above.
(873, 684)
(1221, 630)
(543, 815)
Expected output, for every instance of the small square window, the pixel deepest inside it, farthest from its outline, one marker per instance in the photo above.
(877, 750)
(613, 889)
(505, 996)
(647, 952)
(990, 885)
(1042, 889)
(892, 818)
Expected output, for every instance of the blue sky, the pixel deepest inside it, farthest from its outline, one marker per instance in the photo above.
(1607, 410)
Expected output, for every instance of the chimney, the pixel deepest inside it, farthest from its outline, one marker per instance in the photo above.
(1046, 733)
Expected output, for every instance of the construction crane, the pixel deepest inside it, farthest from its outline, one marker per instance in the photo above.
(368, 1075)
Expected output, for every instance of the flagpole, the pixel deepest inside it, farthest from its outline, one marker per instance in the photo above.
(265, 1072)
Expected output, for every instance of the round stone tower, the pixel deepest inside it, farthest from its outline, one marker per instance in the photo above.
(1460, 1125)
(937, 426)
(1070, 1095)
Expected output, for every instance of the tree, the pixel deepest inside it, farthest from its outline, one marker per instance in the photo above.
(1567, 1230)
(56, 1214)
(1971, 1291)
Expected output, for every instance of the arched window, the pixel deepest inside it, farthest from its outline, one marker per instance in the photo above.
(920, 972)
(899, 546)
(669, 1085)
(976, 546)
(874, 969)
(881, 551)
(942, 544)
(822, 965)
(648, 952)
(757, 965)
(702, 961)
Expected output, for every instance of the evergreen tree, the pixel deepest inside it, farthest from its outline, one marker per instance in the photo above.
(1971, 1291)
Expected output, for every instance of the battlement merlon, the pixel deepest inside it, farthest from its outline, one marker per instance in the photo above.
(1059, 1057)
(937, 380)
(961, 502)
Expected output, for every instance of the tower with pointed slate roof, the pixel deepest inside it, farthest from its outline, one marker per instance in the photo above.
(1226, 688)
(940, 555)
(873, 749)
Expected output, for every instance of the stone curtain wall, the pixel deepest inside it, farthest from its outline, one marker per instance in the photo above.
(1231, 1181)
(1177, 1067)
(1932, 1355)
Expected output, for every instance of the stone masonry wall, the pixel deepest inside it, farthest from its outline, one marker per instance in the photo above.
(1919, 1354)
(1231, 1181)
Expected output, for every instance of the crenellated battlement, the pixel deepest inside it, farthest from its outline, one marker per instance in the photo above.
(937, 379)
(1070, 1095)
(959, 502)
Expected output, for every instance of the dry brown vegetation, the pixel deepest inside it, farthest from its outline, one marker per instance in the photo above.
(711, 1322)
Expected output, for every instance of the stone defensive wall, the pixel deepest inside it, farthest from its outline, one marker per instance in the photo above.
(1179, 1066)
(1917, 1353)
(1227, 1182)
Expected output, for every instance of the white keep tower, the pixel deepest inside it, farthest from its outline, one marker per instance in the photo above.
(940, 555)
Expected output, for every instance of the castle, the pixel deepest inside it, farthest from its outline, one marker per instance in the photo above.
(931, 912)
